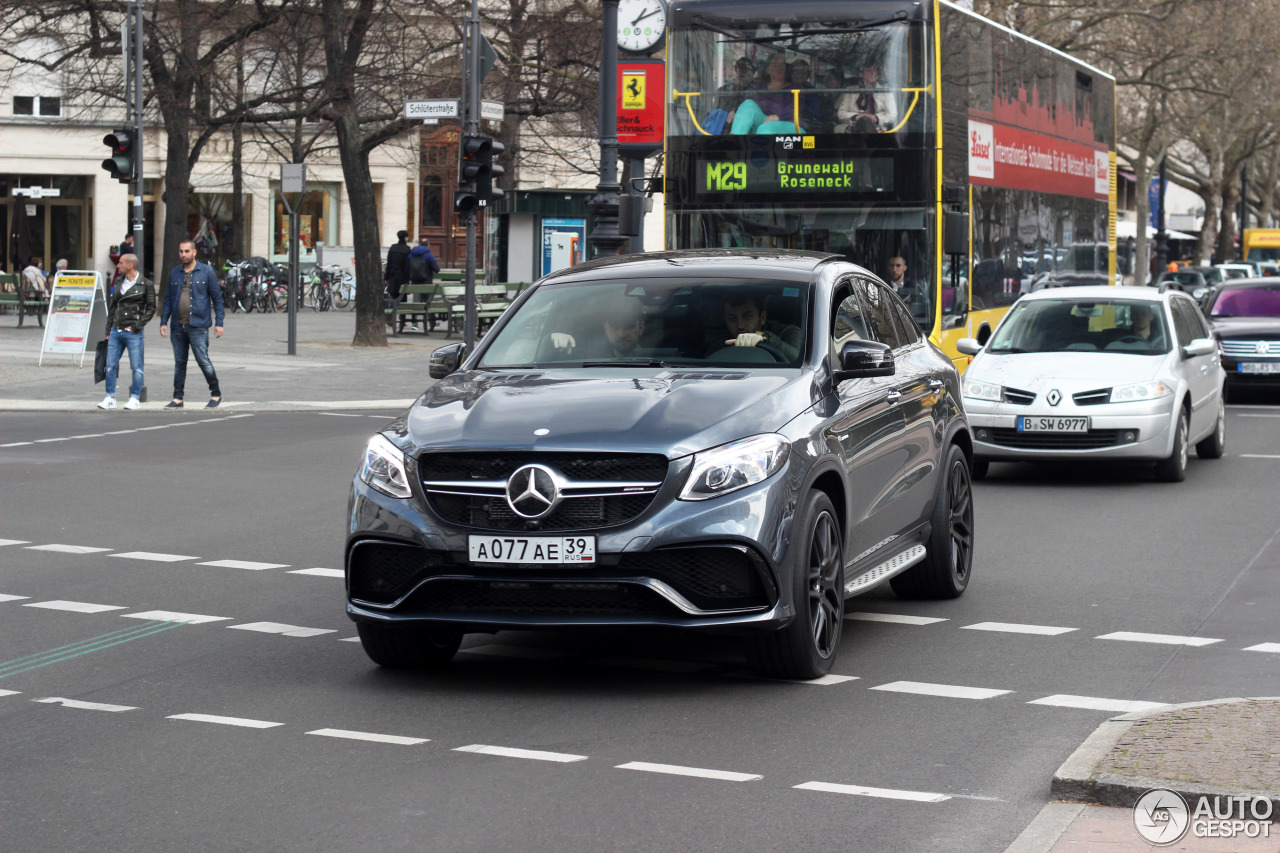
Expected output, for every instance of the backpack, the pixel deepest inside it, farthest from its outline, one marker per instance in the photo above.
(420, 268)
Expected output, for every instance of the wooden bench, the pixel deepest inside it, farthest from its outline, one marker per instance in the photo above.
(455, 277)
(491, 301)
(26, 301)
(426, 310)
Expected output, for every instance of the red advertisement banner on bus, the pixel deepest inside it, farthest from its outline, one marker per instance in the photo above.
(1004, 156)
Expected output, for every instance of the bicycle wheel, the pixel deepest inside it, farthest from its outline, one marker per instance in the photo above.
(341, 298)
(315, 297)
(280, 297)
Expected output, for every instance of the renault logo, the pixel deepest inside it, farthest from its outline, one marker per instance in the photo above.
(532, 491)
(1054, 397)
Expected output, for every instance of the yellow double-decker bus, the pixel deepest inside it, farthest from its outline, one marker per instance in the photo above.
(899, 134)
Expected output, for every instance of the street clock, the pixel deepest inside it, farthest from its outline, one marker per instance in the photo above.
(642, 24)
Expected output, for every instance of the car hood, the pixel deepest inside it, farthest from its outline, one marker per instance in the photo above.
(672, 412)
(1066, 371)
(1247, 328)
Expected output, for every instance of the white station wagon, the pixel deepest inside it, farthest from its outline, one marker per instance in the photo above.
(1097, 373)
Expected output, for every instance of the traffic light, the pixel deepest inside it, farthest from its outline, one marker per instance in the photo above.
(485, 187)
(121, 162)
(467, 197)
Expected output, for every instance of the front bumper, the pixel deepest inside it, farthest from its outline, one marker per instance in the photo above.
(1141, 430)
(707, 564)
(1238, 378)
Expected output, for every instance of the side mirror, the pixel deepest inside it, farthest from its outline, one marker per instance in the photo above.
(446, 360)
(1200, 346)
(968, 346)
(864, 358)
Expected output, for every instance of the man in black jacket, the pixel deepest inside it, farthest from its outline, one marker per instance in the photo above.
(130, 306)
(397, 271)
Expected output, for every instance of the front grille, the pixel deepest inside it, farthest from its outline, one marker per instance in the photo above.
(1249, 349)
(539, 598)
(1018, 397)
(383, 572)
(1092, 398)
(1059, 440)
(710, 578)
(597, 489)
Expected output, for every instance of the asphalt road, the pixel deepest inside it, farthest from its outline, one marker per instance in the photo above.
(133, 719)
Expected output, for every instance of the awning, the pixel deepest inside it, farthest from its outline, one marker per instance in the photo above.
(1125, 228)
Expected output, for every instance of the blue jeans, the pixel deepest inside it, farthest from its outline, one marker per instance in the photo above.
(116, 345)
(197, 340)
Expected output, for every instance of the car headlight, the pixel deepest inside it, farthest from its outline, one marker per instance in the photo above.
(383, 468)
(1139, 391)
(983, 391)
(734, 466)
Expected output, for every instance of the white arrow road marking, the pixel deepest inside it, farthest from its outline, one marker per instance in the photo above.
(883, 793)
(225, 721)
(699, 772)
(369, 736)
(87, 706)
(510, 752)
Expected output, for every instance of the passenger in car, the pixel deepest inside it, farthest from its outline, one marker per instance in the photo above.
(622, 326)
(748, 325)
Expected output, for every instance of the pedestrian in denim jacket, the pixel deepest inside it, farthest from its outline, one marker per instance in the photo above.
(193, 301)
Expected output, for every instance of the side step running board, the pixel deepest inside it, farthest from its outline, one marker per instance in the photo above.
(886, 570)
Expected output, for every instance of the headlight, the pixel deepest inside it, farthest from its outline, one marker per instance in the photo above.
(383, 468)
(1139, 391)
(983, 391)
(734, 466)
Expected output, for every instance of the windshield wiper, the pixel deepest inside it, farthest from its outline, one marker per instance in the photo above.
(628, 362)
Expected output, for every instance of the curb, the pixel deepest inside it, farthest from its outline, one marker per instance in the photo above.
(230, 406)
(1076, 782)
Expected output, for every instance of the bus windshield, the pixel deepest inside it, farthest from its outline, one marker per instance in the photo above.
(745, 76)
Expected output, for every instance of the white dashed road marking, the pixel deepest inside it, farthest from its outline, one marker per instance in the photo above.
(894, 617)
(319, 573)
(1017, 628)
(699, 772)
(9, 692)
(174, 616)
(75, 606)
(149, 555)
(281, 628)
(14, 541)
(1163, 639)
(225, 721)
(13, 597)
(950, 691)
(67, 549)
(85, 706)
(883, 793)
(510, 752)
(1264, 647)
(1093, 703)
(369, 736)
(244, 564)
(1258, 456)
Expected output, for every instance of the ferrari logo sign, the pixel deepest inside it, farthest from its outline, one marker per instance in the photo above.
(633, 90)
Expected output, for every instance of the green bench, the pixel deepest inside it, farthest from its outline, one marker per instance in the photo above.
(426, 309)
(27, 302)
(491, 301)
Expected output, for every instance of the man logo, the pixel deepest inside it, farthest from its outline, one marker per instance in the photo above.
(1161, 817)
(532, 491)
(1054, 397)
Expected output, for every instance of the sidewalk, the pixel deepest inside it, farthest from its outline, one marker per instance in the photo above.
(254, 369)
(1221, 749)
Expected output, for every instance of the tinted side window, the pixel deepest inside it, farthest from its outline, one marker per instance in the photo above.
(1182, 324)
(908, 328)
(877, 308)
(1196, 318)
(847, 323)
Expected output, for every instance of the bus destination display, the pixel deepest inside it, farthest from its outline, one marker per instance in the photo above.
(761, 174)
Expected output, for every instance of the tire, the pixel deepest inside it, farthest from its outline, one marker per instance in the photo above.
(978, 470)
(408, 648)
(1213, 446)
(807, 647)
(1174, 469)
(948, 562)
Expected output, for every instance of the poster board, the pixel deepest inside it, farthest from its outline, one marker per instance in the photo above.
(563, 242)
(77, 314)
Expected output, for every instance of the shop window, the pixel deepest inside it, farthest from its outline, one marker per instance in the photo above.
(315, 224)
(432, 201)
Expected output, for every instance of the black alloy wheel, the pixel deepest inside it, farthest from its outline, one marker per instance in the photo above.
(948, 562)
(807, 647)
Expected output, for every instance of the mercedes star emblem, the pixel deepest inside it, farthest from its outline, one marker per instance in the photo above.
(1054, 397)
(532, 491)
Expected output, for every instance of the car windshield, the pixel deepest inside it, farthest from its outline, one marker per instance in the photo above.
(655, 322)
(1077, 325)
(1247, 302)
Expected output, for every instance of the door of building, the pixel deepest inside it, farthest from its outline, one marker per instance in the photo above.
(437, 221)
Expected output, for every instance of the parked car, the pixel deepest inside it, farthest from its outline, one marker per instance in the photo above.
(723, 441)
(1185, 280)
(1245, 316)
(1097, 373)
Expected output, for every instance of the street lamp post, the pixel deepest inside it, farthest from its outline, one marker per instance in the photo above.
(605, 237)
(1162, 236)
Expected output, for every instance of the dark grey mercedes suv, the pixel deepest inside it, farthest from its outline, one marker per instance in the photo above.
(720, 440)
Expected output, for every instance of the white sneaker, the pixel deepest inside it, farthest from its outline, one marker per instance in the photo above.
(132, 404)
(107, 403)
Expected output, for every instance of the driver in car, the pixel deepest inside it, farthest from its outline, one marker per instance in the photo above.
(748, 325)
(623, 325)
(1140, 316)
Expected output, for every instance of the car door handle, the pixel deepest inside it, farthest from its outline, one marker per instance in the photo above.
(893, 397)
(935, 384)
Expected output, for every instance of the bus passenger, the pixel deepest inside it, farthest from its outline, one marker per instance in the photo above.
(776, 105)
(868, 111)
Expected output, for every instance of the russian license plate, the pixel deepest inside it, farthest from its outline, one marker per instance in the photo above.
(553, 550)
(1031, 423)
(1260, 367)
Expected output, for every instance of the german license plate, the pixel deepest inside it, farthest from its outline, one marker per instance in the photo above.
(1260, 367)
(550, 550)
(1032, 423)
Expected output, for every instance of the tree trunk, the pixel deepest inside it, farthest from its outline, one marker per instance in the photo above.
(1226, 247)
(177, 181)
(371, 326)
(1141, 181)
